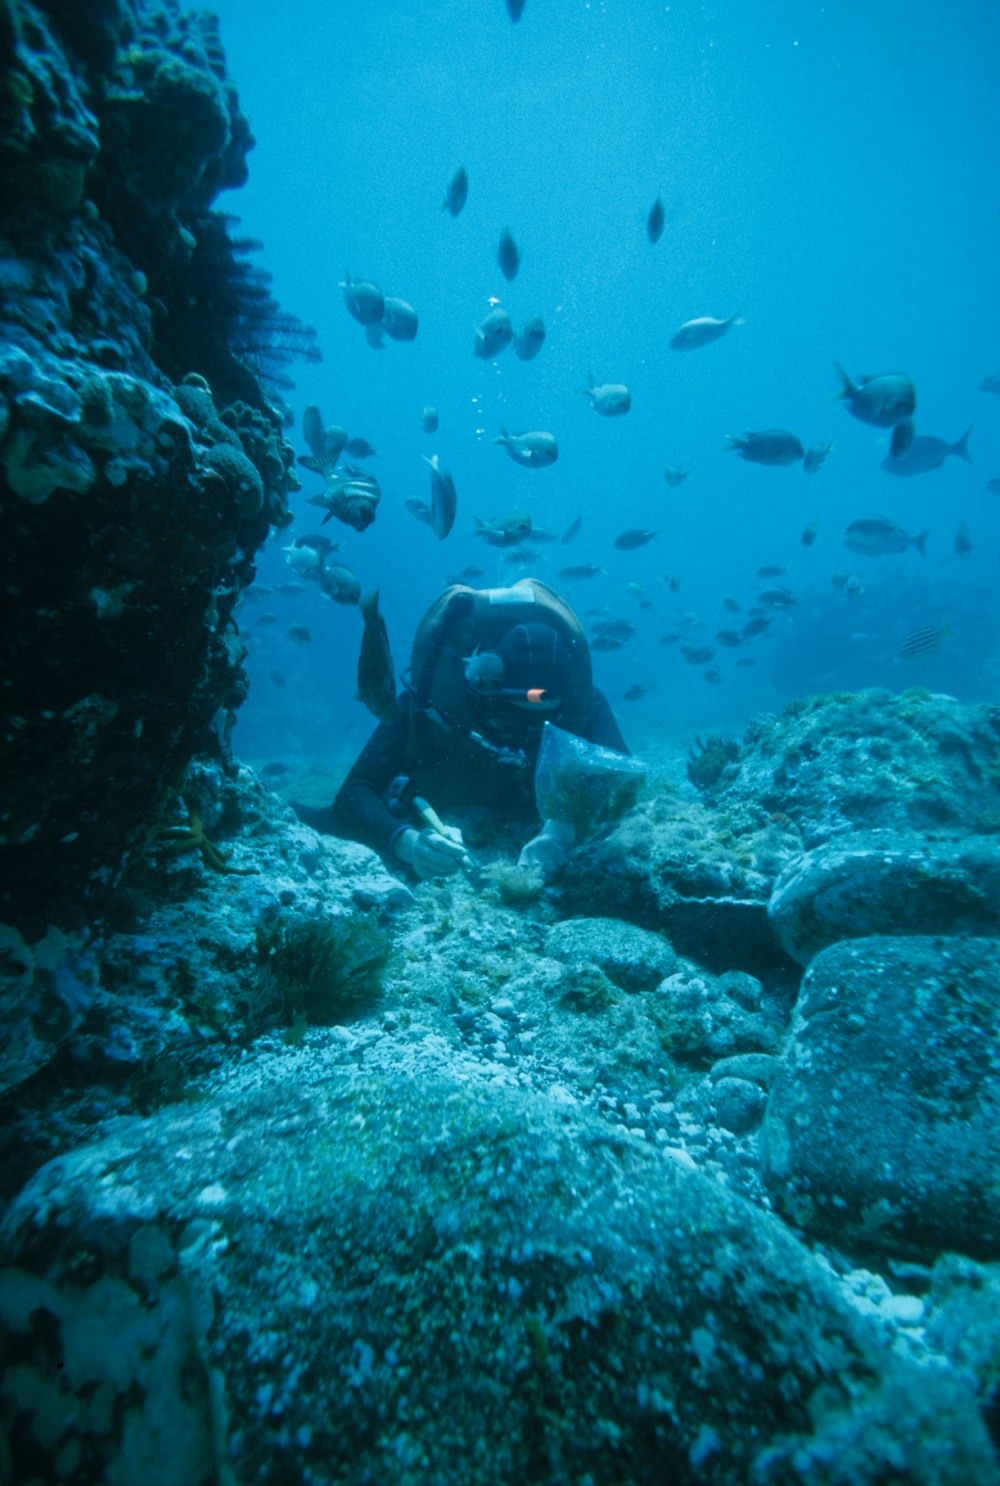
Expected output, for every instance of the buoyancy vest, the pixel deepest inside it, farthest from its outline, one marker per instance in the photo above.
(458, 621)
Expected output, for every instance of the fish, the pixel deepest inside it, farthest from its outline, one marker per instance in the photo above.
(505, 531)
(326, 443)
(636, 536)
(266, 619)
(376, 677)
(420, 509)
(746, 660)
(672, 582)
(697, 655)
(773, 446)
(962, 542)
(303, 557)
(274, 770)
(520, 557)
(399, 319)
(808, 536)
(756, 625)
(615, 629)
(278, 678)
(815, 457)
(573, 530)
(515, 9)
(364, 300)
(606, 642)
(508, 256)
(339, 583)
(777, 598)
(635, 692)
(701, 332)
(923, 641)
(669, 639)
(444, 501)
(579, 571)
(299, 633)
(655, 220)
(544, 534)
(853, 587)
(352, 500)
(990, 384)
(675, 476)
(360, 448)
(532, 450)
(611, 400)
(731, 606)
(729, 637)
(925, 454)
(429, 419)
(771, 570)
(712, 674)
(457, 193)
(877, 536)
(530, 339)
(902, 438)
(493, 335)
(883, 401)
(993, 486)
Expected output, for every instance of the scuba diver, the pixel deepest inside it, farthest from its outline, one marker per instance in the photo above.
(489, 668)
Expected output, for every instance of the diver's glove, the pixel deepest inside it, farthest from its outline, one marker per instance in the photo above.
(548, 852)
(432, 853)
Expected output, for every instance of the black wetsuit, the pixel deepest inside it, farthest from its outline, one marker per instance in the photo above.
(461, 777)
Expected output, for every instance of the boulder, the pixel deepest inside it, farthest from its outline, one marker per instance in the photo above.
(886, 882)
(633, 959)
(883, 1124)
(437, 1279)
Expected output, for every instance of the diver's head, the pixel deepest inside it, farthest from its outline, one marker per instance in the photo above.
(529, 669)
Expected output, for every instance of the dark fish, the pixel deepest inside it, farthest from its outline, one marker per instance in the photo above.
(615, 629)
(606, 642)
(420, 509)
(731, 606)
(697, 655)
(573, 530)
(993, 486)
(636, 536)
(399, 319)
(712, 674)
(457, 192)
(521, 557)
(278, 678)
(300, 633)
(923, 641)
(990, 384)
(580, 570)
(376, 677)
(728, 637)
(777, 598)
(515, 9)
(877, 536)
(530, 339)
(808, 534)
(771, 570)
(429, 419)
(274, 770)
(635, 692)
(963, 542)
(675, 476)
(672, 582)
(359, 448)
(444, 501)
(364, 300)
(508, 256)
(655, 220)
(755, 625)
(902, 438)
(773, 446)
(266, 619)
(927, 453)
(669, 639)
(882, 401)
(816, 456)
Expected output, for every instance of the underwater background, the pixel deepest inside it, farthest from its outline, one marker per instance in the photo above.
(825, 174)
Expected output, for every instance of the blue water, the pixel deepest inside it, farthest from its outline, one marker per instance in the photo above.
(828, 172)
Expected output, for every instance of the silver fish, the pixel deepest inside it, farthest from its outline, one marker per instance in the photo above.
(882, 401)
(580, 570)
(877, 536)
(493, 334)
(457, 192)
(773, 446)
(339, 583)
(927, 453)
(505, 531)
(420, 509)
(364, 300)
(816, 457)
(444, 501)
(701, 332)
(530, 338)
(532, 450)
(611, 399)
(429, 419)
(376, 677)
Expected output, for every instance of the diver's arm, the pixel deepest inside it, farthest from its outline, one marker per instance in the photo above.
(359, 813)
(601, 725)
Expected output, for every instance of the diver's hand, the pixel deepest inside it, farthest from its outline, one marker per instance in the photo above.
(430, 853)
(548, 852)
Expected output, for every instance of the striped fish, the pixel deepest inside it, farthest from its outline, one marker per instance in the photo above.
(923, 641)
